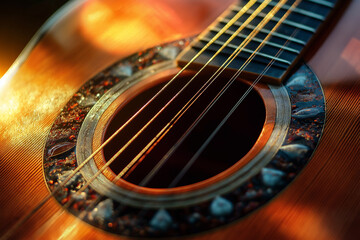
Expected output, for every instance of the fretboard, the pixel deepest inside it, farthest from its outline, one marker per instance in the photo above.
(266, 38)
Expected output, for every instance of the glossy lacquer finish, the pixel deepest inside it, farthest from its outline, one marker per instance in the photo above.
(322, 203)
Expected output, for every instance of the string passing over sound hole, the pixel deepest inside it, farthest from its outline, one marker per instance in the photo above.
(162, 163)
(247, 163)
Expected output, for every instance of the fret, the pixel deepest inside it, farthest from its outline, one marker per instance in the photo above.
(322, 3)
(266, 31)
(216, 29)
(295, 10)
(239, 60)
(232, 46)
(287, 22)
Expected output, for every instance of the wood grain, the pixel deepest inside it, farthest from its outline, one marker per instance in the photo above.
(322, 203)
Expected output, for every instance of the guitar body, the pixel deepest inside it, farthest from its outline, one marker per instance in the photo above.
(323, 202)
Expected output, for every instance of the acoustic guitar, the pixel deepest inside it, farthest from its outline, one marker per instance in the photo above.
(194, 119)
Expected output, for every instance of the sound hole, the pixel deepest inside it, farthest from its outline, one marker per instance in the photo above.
(233, 140)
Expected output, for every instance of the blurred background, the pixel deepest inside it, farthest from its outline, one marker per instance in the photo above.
(19, 20)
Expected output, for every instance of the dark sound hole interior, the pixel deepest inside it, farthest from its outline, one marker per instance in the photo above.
(234, 139)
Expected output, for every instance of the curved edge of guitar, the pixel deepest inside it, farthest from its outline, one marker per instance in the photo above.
(57, 16)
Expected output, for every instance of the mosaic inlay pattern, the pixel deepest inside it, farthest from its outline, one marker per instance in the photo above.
(308, 115)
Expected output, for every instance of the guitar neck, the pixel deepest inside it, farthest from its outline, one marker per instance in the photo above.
(261, 37)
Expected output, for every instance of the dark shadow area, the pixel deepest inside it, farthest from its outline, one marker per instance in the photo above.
(19, 21)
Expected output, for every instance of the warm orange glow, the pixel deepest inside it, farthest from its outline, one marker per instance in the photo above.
(132, 25)
(117, 27)
(351, 54)
(24, 107)
(299, 222)
(3, 69)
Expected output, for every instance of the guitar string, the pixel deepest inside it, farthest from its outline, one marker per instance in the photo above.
(89, 181)
(213, 78)
(204, 145)
(144, 210)
(235, 77)
(68, 204)
(212, 103)
(151, 143)
(70, 176)
(254, 83)
(295, 4)
(208, 140)
(225, 64)
(178, 115)
(231, 58)
(225, 28)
